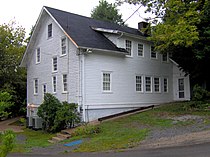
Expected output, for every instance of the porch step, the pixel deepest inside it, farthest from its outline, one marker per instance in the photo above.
(64, 136)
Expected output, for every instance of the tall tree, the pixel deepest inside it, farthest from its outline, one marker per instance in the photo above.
(107, 12)
(12, 78)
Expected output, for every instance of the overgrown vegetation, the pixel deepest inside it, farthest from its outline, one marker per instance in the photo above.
(56, 115)
(5, 105)
(199, 93)
(12, 77)
(6, 142)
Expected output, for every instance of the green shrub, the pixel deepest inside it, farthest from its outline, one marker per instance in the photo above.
(199, 93)
(6, 142)
(5, 104)
(86, 130)
(56, 115)
(47, 111)
(66, 116)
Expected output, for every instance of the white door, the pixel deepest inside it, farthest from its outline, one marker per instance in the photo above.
(181, 93)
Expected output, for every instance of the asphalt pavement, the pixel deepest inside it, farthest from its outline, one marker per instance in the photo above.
(196, 150)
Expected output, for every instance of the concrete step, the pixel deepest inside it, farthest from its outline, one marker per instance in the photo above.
(51, 141)
(57, 139)
(64, 136)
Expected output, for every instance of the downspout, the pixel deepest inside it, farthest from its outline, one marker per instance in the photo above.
(81, 102)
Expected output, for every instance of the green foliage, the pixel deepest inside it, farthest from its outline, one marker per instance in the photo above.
(47, 111)
(56, 115)
(12, 77)
(66, 116)
(107, 12)
(199, 93)
(5, 104)
(87, 130)
(7, 142)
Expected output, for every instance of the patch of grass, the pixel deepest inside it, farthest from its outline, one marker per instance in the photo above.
(33, 139)
(114, 136)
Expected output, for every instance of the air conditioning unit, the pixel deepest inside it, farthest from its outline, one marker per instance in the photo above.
(30, 122)
(37, 123)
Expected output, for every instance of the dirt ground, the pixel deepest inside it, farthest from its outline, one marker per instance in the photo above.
(6, 125)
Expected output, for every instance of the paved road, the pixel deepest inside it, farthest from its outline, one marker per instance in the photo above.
(199, 150)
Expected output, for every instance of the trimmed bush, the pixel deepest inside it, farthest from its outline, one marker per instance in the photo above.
(56, 115)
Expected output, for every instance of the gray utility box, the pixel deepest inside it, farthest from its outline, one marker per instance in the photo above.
(37, 123)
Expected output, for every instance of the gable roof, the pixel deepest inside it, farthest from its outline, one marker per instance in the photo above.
(79, 28)
(83, 31)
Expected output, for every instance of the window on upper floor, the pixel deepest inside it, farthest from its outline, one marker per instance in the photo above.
(140, 50)
(65, 85)
(36, 86)
(153, 54)
(165, 85)
(38, 55)
(156, 84)
(63, 46)
(128, 46)
(148, 84)
(139, 84)
(165, 57)
(49, 30)
(54, 84)
(106, 81)
(55, 64)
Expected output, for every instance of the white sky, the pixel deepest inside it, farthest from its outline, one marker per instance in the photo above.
(26, 12)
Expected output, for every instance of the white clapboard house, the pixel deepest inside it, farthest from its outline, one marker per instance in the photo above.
(103, 67)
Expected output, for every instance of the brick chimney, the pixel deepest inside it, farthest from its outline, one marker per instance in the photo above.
(142, 27)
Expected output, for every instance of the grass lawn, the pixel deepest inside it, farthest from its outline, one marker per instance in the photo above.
(129, 131)
(32, 139)
(120, 133)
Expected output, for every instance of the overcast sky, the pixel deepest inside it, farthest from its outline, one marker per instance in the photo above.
(26, 12)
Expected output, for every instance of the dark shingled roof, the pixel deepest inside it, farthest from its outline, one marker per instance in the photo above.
(79, 29)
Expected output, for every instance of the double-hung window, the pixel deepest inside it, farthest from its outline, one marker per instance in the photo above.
(54, 64)
(165, 57)
(139, 80)
(35, 86)
(49, 30)
(44, 89)
(106, 82)
(54, 84)
(63, 46)
(165, 85)
(156, 84)
(128, 46)
(38, 55)
(153, 54)
(65, 85)
(148, 84)
(140, 50)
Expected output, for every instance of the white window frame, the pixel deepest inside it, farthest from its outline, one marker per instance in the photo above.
(165, 85)
(44, 89)
(38, 55)
(145, 84)
(54, 84)
(166, 61)
(63, 46)
(109, 82)
(49, 30)
(55, 64)
(138, 50)
(36, 86)
(139, 83)
(128, 47)
(157, 85)
(65, 83)
(152, 51)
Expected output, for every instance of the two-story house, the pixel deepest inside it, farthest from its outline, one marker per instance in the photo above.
(104, 67)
